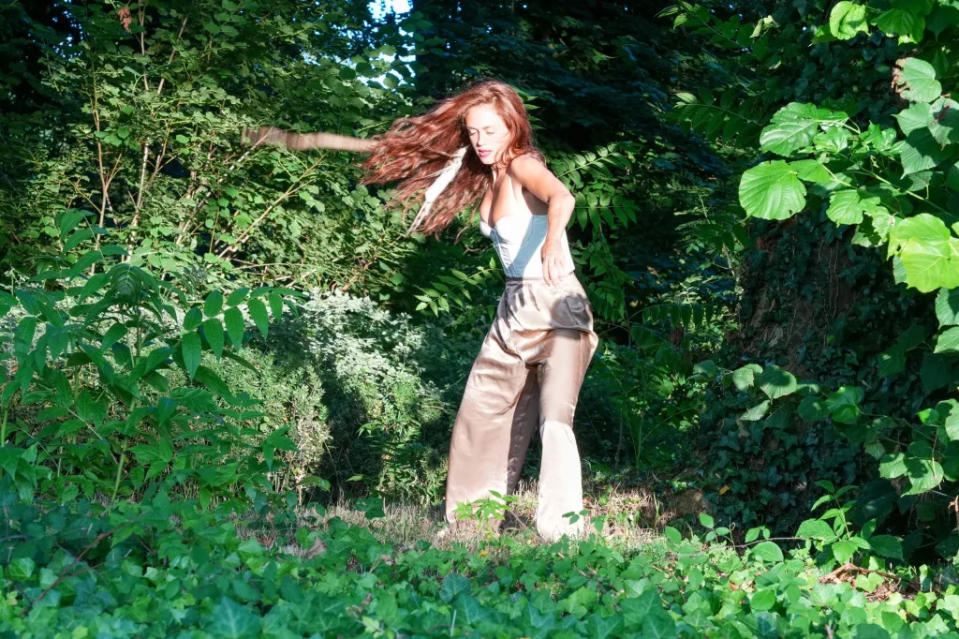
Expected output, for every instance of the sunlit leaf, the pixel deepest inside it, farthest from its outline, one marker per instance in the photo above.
(771, 191)
(847, 19)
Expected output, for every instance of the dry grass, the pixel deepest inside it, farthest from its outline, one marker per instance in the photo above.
(627, 516)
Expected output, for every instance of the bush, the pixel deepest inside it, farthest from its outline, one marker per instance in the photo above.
(390, 388)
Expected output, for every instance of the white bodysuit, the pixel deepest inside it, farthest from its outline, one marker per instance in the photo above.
(518, 239)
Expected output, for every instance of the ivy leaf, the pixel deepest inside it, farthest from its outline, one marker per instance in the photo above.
(230, 620)
(947, 306)
(847, 19)
(659, 625)
(918, 80)
(905, 24)
(948, 342)
(771, 191)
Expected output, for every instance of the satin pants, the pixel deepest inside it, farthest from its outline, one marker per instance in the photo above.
(526, 377)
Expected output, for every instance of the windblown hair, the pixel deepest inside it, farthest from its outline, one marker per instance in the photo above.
(415, 150)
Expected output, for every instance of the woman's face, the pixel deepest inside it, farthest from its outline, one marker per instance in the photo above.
(488, 133)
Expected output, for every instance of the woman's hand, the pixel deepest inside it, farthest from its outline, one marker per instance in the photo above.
(554, 261)
(263, 135)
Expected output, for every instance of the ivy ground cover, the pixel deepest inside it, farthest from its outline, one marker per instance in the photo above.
(165, 569)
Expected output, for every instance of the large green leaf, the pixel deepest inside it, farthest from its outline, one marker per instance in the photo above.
(771, 191)
(815, 529)
(847, 19)
(948, 342)
(767, 551)
(893, 465)
(903, 23)
(755, 413)
(843, 404)
(929, 254)
(918, 80)
(744, 377)
(845, 207)
(886, 546)
(776, 382)
(794, 126)
(949, 410)
(813, 171)
(944, 124)
(920, 152)
(915, 117)
(230, 620)
(947, 306)
(924, 475)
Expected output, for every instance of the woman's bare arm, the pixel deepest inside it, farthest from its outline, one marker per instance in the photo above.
(540, 181)
(304, 141)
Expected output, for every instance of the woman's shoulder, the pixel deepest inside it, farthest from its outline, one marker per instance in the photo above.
(525, 162)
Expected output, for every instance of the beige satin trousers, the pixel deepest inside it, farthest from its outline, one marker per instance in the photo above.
(526, 377)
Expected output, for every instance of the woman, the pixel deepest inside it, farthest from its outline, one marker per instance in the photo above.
(477, 147)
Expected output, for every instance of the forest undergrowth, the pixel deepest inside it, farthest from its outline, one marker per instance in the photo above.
(163, 568)
(229, 375)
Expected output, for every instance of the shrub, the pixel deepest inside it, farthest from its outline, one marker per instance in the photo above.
(389, 388)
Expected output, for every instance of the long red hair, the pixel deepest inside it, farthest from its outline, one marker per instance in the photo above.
(416, 149)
